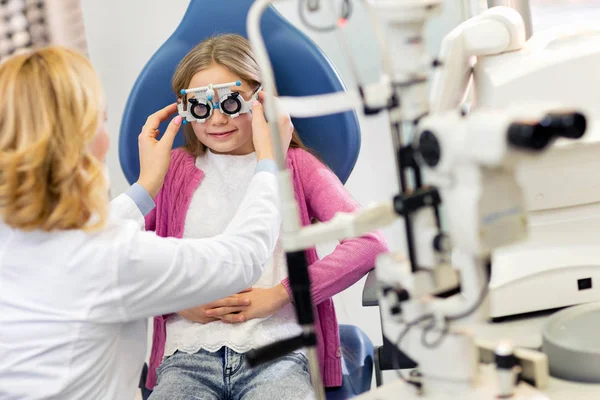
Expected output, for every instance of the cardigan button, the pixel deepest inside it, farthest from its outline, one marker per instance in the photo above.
(339, 353)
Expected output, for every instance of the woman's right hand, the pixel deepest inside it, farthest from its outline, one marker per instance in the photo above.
(155, 155)
(261, 136)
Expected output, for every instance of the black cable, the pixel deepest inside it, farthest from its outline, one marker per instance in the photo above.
(407, 328)
(347, 9)
(410, 325)
(474, 307)
(462, 315)
(435, 343)
(427, 329)
(418, 386)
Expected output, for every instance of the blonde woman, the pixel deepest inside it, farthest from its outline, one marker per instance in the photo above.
(76, 286)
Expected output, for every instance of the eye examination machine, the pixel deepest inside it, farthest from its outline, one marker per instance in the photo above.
(497, 145)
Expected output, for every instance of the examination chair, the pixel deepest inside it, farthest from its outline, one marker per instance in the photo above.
(300, 69)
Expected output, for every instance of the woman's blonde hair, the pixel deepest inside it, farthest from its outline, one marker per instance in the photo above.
(50, 110)
(230, 51)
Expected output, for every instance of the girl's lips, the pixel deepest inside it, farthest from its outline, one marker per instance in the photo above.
(222, 135)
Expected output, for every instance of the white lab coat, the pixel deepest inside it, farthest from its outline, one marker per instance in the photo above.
(74, 305)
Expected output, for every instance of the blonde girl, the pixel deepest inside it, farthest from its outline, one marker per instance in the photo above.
(201, 350)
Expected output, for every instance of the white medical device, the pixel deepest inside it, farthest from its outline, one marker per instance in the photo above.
(559, 264)
(485, 165)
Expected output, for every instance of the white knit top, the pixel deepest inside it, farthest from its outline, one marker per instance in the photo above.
(212, 207)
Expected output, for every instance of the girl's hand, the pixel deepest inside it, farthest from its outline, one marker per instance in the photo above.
(260, 131)
(197, 314)
(155, 155)
(263, 303)
(225, 306)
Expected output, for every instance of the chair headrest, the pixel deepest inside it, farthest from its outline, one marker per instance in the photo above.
(300, 67)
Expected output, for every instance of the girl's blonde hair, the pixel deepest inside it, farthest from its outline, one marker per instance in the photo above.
(50, 109)
(230, 51)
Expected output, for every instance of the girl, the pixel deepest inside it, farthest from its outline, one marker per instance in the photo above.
(76, 288)
(201, 351)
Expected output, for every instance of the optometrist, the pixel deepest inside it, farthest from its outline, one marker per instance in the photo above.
(78, 279)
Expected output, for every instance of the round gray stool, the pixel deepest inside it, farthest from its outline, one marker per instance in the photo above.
(571, 340)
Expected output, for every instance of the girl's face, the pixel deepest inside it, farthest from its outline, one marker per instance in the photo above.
(221, 133)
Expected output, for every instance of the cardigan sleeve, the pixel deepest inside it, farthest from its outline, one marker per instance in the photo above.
(352, 258)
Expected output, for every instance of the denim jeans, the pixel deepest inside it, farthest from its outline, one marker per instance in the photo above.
(224, 375)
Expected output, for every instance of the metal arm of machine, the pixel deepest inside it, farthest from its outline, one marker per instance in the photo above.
(471, 160)
(296, 260)
(495, 31)
(342, 226)
(408, 82)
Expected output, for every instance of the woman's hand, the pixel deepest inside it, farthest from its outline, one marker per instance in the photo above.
(260, 131)
(263, 303)
(285, 121)
(225, 306)
(155, 155)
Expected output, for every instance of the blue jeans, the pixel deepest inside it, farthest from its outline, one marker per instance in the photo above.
(224, 375)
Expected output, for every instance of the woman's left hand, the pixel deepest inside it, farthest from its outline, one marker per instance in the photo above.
(286, 126)
(285, 121)
(155, 154)
(263, 303)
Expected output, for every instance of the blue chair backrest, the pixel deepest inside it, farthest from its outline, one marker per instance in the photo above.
(301, 69)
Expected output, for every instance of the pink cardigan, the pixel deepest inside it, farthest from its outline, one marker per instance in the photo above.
(320, 195)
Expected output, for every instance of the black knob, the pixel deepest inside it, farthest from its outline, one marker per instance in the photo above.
(429, 148)
(536, 136)
(568, 125)
(529, 136)
(441, 242)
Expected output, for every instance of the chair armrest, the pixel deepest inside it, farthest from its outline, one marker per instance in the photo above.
(369, 295)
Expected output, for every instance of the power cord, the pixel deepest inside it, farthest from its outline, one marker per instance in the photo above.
(417, 384)
(347, 9)
(440, 338)
(474, 307)
(429, 328)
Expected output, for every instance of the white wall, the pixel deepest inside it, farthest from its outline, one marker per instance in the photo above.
(123, 35)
